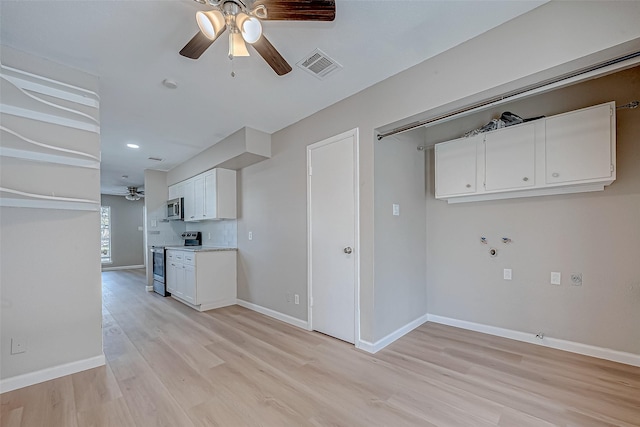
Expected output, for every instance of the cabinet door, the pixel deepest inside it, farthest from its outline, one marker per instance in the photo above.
(456, 166)
(209, 192)
(179, 288)
(189, 289)
(189, 201)
(198, 191)
(176, 190)
(172, 276)
(510, 158)
(578, 145)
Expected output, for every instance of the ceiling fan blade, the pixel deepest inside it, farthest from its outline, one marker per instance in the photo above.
(197, 45)
(298, 10)
(272, 56)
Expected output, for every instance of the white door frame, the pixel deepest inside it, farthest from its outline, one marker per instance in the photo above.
(356, 171)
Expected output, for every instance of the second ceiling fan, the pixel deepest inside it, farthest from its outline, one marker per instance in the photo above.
(243, 21)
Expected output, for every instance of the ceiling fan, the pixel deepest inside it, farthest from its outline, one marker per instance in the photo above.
(134, 194)
(243, 20)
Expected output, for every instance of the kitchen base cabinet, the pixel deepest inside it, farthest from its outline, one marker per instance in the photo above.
(203, 280)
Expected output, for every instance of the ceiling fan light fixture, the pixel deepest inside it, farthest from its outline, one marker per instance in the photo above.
(250, 27)
(132, 197)
(211, 23)
(236, 45)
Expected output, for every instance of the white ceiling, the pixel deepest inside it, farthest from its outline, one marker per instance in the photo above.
(133, 46)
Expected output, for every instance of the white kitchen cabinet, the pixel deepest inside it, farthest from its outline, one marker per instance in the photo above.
(211, 195)
(176, 191)
(579, 145)
(456, 166)
(510, 158)
(568, 153)
(203, 280)
(189, 205)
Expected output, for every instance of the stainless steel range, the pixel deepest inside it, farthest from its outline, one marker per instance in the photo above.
(159, 271)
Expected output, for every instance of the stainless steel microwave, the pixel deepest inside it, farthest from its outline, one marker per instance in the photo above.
(175, 209)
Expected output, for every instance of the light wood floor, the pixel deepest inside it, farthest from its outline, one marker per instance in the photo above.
(169, 365)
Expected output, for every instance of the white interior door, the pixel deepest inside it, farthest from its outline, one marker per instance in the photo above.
(332, 210)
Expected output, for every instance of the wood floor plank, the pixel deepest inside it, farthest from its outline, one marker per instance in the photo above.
(169, 365)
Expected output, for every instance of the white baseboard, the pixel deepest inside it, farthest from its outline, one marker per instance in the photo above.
(275, 314)
(217, 304)
(123, 267)
(383, 342)
(148, 288)
(31, 378)
(571, 346)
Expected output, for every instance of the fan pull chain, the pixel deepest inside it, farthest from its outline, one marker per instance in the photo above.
(233, 73)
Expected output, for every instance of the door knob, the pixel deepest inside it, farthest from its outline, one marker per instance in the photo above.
(348, 250)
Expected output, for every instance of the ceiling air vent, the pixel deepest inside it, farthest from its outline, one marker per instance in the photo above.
(319, 64)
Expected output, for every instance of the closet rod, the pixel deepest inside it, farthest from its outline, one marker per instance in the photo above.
(508, 95)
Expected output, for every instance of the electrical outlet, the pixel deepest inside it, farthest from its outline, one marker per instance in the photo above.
(296, 298)
(396, 209)
(556, 278)
(576, 279)
(288, 296)
(507, 274)
(251, 235)
(18, 345)
(209, 236)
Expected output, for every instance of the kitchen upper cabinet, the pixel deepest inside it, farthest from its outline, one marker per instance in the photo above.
(211, 195)
(176, 191)
(189, 201)
(568, 153)
(456, 172)
(510, 158)
(579, 145)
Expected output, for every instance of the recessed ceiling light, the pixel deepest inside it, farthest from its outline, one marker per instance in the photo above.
(133, 146)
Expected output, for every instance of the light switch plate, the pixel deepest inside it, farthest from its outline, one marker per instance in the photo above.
(556, 278)
(507, 274)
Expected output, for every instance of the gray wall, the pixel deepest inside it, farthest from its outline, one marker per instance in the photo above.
(400, 241)
(50, 263)
(272, 194)
(597, 234)
(127, 242)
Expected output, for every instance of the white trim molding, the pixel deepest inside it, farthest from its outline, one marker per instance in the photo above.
(125, 267)
(31, 378)
(570, 346)
(274, 314)
(393, 336)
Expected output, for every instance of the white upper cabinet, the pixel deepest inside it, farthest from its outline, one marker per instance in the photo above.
(579, 145)
(176, 190)
(510, 158)
(189, 205)
(210, 195)
(568, 153)
(456, 166)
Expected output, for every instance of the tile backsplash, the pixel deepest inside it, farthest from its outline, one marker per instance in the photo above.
(223, 232)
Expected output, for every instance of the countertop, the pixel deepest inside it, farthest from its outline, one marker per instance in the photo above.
(200, 248)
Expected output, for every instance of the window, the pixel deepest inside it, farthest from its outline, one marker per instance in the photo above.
(105, 234)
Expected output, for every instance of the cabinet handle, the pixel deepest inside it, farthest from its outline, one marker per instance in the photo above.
(468, 185)
(525, 179)
(555, 174)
